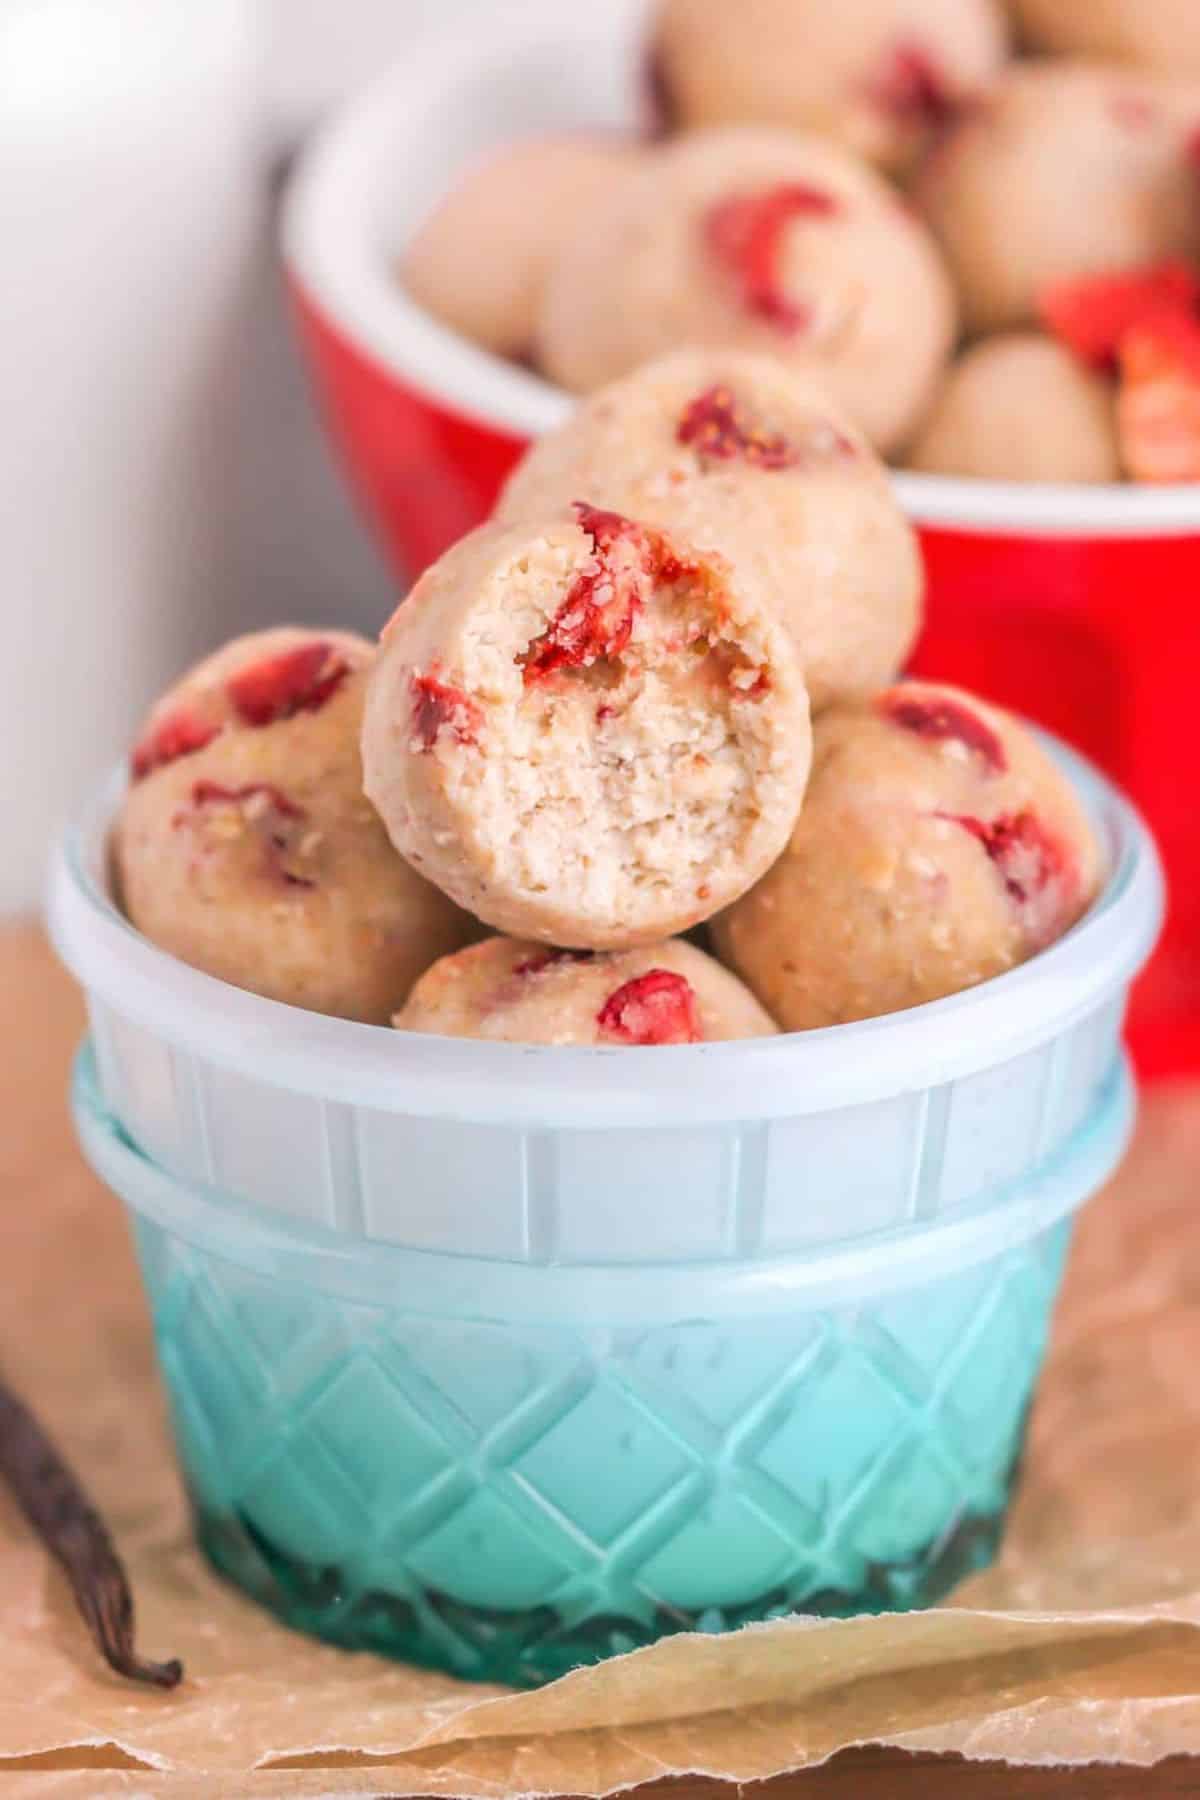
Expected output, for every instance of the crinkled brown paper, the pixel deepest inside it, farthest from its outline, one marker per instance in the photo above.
(1109, 1516)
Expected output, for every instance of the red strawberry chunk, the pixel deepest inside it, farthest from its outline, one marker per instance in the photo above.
(943, 720)
(718, 430)
(438, 708)
(597, 618)
(658, 1007)
(1158, 405)
(546, 959)
(214, 793)
(1036, 868)
(1092, 314)
(910, 85)
(278, 687)
(180, 733)
(269, 811)
(745, 234)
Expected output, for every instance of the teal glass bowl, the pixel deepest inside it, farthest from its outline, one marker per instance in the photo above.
(506, 1359)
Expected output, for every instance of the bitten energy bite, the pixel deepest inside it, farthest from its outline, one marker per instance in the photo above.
(883, 76)
(938, 846)
(525, 993)
(758, 240)
(1160, 33)
(1020, 407)
(585, 731)
(481, 259)
(1066, 169)
(247, 848)
(745, 456)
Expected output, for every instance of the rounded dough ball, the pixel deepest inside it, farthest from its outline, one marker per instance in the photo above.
(743, 455)
(1021, 408)
(1157, 33)
(882, 76)
(480, 260)
(758, 240)
(524, 993)
(938, 846)
(586, 733)
(1066, 169)
(247, 848)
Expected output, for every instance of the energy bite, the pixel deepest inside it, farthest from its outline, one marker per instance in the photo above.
(480, 260)
(749, 458)
(1158, 33)
(247, 848)
(758, 240)
(883, 76)
(525, 993)
(1066, 169)
(743, 455)
(585, 731)
(938, 846)
(1020, 407)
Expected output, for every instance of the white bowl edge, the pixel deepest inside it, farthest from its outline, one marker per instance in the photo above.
(795, 1074)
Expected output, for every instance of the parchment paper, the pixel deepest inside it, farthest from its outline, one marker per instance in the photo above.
(1022, 1665)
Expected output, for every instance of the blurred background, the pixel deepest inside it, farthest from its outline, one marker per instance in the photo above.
(163, 477)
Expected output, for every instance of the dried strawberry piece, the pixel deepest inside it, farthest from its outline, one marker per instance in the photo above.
(1158, 406)
(214, 793)
(438, 707)
(180, 733)
(1091, 315)
(1038, 875)
(719, 430)
(545, 959)
(944, 720)
(264, 806)
(278, 687)
(1026, 856)
(596, 619)
(658, 1007)
(910, 85)
(745, 234)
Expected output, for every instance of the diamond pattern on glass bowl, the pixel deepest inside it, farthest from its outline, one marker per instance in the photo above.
(604, 1462)
(510, 1500)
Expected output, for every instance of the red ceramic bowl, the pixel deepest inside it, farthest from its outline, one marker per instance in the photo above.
(1078, 606)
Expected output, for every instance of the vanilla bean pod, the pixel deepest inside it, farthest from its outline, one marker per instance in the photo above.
(58, 1509)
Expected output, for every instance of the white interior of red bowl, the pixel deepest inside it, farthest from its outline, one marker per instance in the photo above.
(376, 170)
